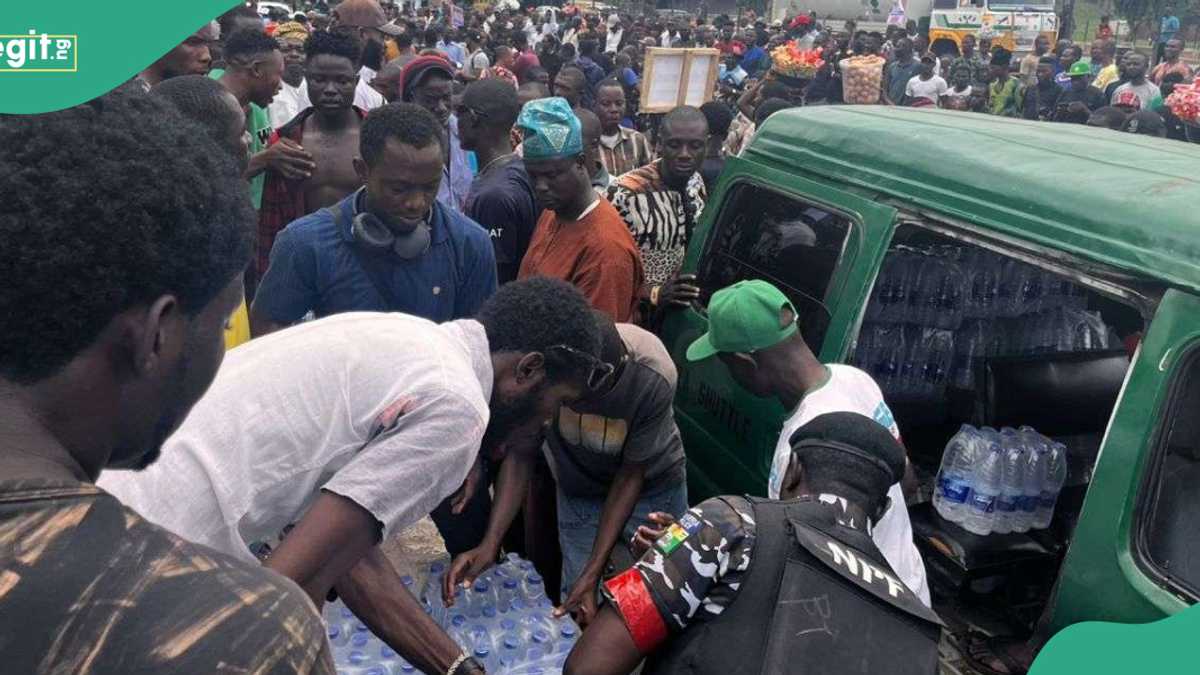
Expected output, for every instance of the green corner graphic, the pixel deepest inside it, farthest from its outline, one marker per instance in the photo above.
(112, 42)
(1163, 647)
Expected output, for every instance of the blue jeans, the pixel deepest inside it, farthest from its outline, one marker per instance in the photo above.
(579, 519)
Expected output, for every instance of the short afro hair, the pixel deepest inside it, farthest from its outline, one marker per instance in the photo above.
(535, 314)
(406, 122)
(830, 469)
(719, 118)
(495, 98)
(770, 107)
(680, 115)
(108, 206)
(341, 43)
(199, 98)
(246, 44)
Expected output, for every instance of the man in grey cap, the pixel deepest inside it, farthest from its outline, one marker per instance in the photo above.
(367, 19)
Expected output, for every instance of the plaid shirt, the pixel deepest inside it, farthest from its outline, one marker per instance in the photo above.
(283, 200)
(630, 151)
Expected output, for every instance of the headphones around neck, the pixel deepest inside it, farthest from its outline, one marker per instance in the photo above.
(370, 232)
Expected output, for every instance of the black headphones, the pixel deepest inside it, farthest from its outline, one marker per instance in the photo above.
(370, 232)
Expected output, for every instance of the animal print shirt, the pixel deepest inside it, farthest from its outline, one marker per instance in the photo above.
(660, 219)
(88, 586)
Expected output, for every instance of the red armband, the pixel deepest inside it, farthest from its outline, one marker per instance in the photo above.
(637, 610)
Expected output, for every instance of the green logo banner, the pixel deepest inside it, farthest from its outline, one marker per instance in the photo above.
(55, 55)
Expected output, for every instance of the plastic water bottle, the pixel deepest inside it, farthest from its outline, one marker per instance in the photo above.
(568, 635)
(1036, 447)
(1056, 476)
(337, 636)
(1012, 481)
(511, 651)
(509, 591)
(954, 476)
(985, 485)
(533, 589)
(939, 356)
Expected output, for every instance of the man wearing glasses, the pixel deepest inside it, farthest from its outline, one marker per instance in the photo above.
(346, 430)
(616, 456)
(501, 198)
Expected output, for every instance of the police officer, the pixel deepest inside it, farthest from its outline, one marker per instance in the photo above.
(747, 585)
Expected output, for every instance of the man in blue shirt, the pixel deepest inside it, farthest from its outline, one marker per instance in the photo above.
(1167, 28)
(756, 58)
(390, 246)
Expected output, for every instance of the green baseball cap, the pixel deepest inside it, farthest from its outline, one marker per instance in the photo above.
(1079, 69)
(743, 318)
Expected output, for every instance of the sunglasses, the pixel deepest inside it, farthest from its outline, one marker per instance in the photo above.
(598, 372)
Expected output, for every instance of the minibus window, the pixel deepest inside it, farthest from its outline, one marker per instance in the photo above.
(1172, 532)
(761, 234)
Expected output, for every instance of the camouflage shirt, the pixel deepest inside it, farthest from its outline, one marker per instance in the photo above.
(97, 589)
(691, 574)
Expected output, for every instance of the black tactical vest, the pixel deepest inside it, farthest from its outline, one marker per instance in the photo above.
(818, 598)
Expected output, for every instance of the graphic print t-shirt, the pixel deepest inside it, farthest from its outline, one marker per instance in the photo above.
(851, 390)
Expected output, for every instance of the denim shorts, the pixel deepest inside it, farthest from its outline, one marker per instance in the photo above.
(579, 519)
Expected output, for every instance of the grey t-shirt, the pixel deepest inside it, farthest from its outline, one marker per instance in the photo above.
(634, 422)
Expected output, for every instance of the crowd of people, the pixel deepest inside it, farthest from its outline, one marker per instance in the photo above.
(437, 246)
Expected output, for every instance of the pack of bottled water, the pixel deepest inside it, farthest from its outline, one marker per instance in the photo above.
(504, 620)
(1000, 481)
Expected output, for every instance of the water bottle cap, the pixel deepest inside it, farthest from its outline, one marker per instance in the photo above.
(513, 557)
(346, 613)
(489, 611)
(482, 586)
(518, 604)
(407, 667)
(375, 670)
(437, 568)
(386, 652)
(568, 631)
(536, 654)
(508, 624)
(510, 583)
(356, 657)
(360, 627)
(406, 580)
(334, 632)
(511, 642)
(458, 620)
(525, 565)
(541, 635)
(481, 652)
(533, 578)
(360, 639)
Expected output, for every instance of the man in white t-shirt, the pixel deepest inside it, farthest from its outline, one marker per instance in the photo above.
(925, 89)
(752, 328)
(342, 431)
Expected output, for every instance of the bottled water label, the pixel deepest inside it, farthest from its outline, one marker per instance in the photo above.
(980, 503)
(955, 491)
(1007, 504)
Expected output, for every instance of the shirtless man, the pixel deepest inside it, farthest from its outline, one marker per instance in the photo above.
(328, 131)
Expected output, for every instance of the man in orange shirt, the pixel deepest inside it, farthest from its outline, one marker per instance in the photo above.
(580, 238)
